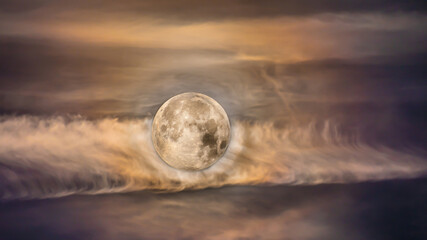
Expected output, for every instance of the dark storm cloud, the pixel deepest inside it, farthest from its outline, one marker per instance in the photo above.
(191, 10)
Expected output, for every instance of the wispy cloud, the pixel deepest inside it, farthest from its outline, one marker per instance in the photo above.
(52, 157)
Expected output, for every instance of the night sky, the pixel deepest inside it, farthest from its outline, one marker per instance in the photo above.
(327, 102)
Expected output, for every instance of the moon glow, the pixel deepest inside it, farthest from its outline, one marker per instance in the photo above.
(191, 131)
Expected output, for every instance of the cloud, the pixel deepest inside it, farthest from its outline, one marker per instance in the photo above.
(192, 10)
(51, 157)
(281, 39)
(51, 77)
(299, 79)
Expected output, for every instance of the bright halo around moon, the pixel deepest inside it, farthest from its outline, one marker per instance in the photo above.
(191, 131)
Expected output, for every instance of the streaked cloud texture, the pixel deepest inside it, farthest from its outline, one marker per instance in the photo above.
(318, 92)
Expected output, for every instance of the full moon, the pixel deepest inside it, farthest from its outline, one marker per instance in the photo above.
(191, 131)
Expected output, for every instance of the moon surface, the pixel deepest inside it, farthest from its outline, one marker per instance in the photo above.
(191, 131)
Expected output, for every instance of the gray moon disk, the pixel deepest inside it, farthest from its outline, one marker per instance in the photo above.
(191, 131)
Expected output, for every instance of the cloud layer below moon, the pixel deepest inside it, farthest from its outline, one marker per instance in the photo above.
(56, 156)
